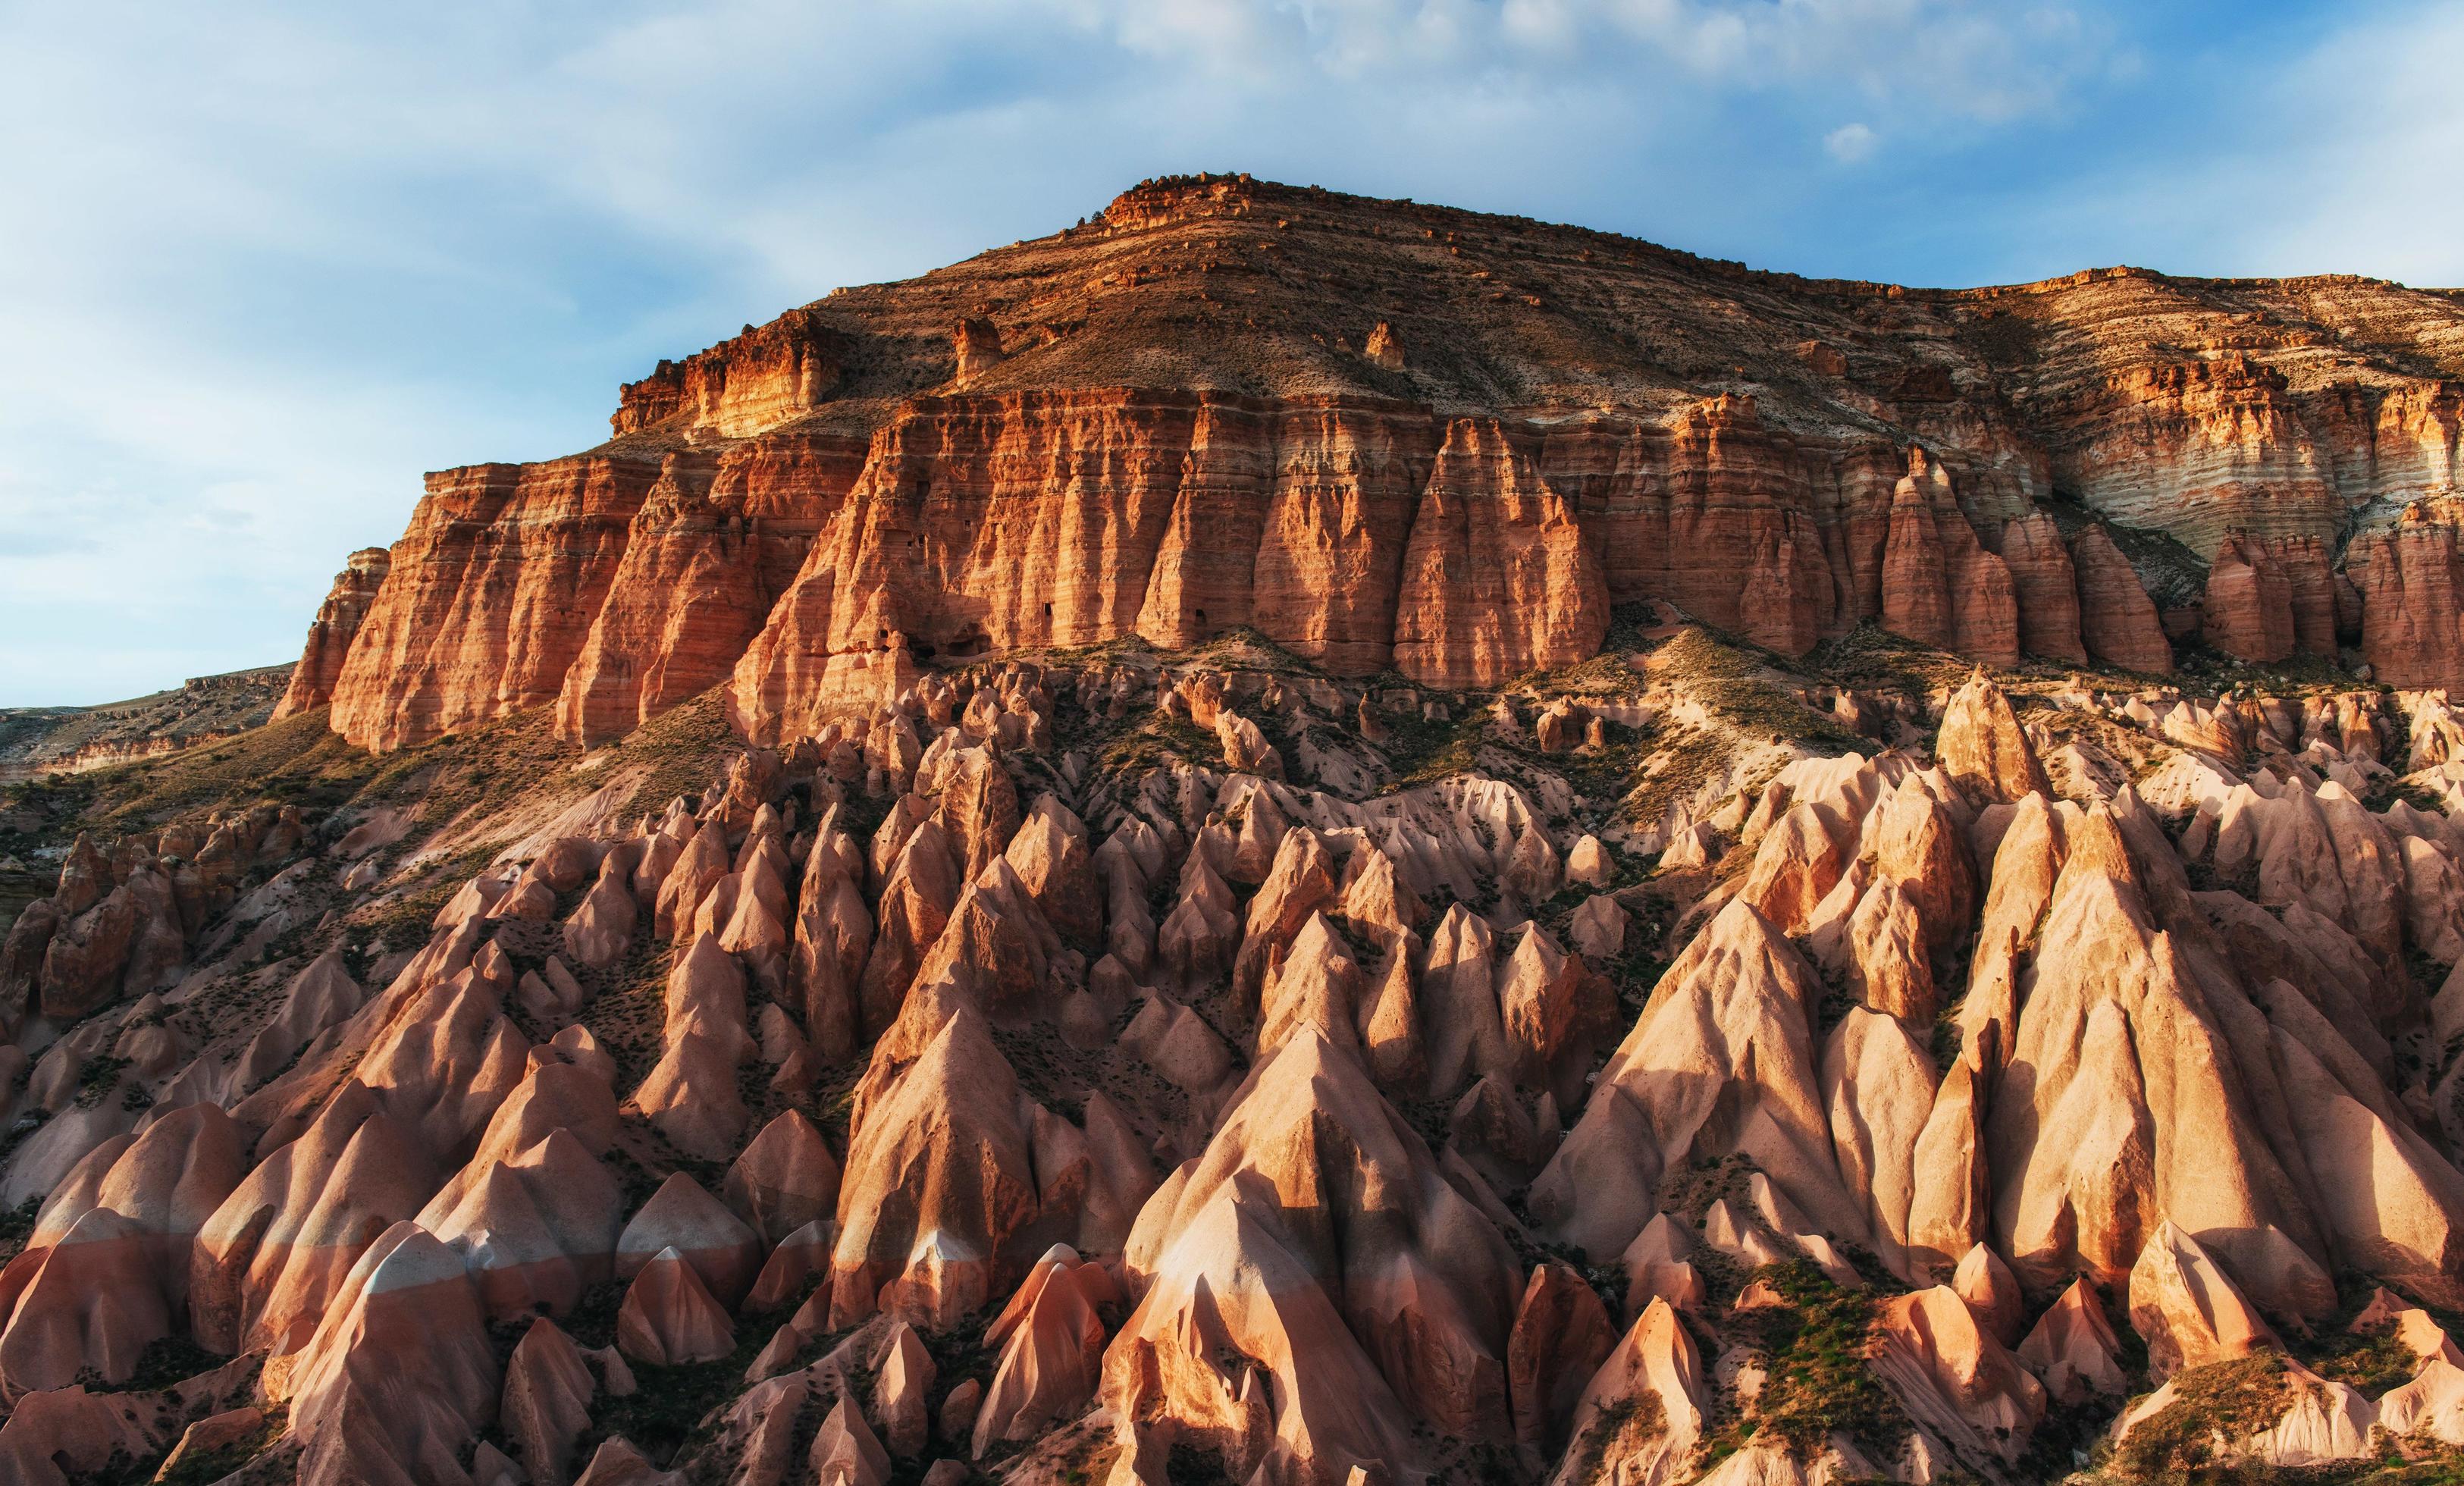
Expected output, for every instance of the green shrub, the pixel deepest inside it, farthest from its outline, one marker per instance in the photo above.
(2231, 1400)
(1817, 1381)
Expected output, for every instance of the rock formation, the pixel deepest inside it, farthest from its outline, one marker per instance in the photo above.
(330, 634)
(868, 491)
(1031, 905)
(2117, 622)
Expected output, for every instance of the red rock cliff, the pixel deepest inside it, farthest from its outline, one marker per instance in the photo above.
(492, 594)
(1384, 434)
(330, 634)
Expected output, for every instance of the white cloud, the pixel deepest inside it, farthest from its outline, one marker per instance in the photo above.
(2361, 144)
(1849, 142)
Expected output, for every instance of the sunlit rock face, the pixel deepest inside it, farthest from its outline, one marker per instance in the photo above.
(331, 633)
(1200, 412)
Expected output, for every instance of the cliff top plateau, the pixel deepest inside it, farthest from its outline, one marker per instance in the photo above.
(1231, 285)
(41, 740)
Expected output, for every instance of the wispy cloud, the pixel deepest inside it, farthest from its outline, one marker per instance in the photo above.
(1849, 142)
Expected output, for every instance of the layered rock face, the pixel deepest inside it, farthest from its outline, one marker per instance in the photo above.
(2409, 581)
(718, 538)
(756, 380)
(1460, 552)
(1206, 411)
(1497, 580)
(331, 633)
(490, 598)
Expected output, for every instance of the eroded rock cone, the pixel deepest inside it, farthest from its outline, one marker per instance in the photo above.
(669, 1317)
(846, 1450)
(2295, 1417)
(536, 1229)
(2188, 1311)
(2103, 1163)
(1052, 1350)
(1314, 985)
(684, 1219)
(166, 1181)
(2072, 1348)
(1053, 860)
(1232, 1306)
(1993, 1291)
(2388, 1314)
(1983, 747)
(547, 1398)
(801, 1255)
(92, 1306)
(1726, 1028)
(1642, 1411)
(274, 1258)
(2430, 1405)
(51, 1435)
(1463, 1029)
(938, 1179)
(1561, 1335)
(901, 1387)
(785, 1179)
(398, 1378)
(1431, 1302)
(1879, 1089)
(691, 1095)
(315, 999)
(1301, 882)
(1953, 1378)
(617, 1463)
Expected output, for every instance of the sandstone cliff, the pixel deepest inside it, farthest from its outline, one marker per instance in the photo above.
(490, 597)
(330, 634)
(1227, 404)
(1224, 846)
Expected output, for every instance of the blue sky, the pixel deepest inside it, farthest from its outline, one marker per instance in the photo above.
(261, 264)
